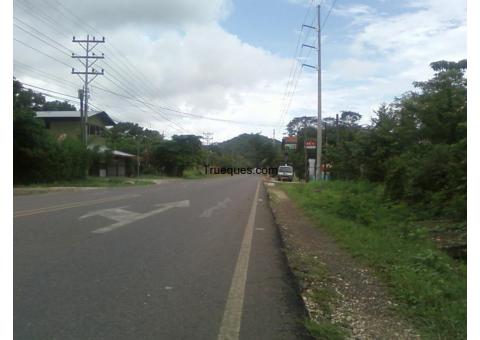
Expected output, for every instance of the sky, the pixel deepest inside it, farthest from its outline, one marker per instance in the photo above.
(237, 62)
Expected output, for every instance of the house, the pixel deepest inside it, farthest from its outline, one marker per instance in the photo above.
(62, 124)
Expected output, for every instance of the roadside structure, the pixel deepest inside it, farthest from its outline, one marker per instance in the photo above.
(63, 124)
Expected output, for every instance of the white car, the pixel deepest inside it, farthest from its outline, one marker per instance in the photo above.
(285, 172)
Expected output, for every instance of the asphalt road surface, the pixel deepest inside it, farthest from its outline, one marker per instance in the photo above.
(197, 259)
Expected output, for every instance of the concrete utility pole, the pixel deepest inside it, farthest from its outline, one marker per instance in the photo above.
(88, 45)
(138, 157)
(318, 165)
(336, 128)
(208, 137)
(81, 96)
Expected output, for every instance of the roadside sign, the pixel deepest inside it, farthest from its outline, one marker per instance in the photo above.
(310, 144)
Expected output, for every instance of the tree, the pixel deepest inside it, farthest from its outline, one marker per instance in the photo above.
(174, 156)
(298, 123)
(57, 106)
(37, 157)
(350, 117)
(415, 146)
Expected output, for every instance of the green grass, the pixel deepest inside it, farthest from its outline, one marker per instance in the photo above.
(325, 330)
(92, 182)
(427, 285)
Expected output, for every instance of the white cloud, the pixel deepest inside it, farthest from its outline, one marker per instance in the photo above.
(197, 67)
(153, 13)
(388, 53)
(183, 58)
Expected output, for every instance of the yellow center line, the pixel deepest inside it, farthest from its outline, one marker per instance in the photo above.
(23, 213)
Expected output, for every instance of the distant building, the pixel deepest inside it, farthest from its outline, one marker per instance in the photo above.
(289, 143)
(63, 124)
(114, 163)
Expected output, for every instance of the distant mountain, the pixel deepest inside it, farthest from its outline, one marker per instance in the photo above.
(249, 150)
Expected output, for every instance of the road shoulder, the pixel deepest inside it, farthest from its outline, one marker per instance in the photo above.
(343, 298)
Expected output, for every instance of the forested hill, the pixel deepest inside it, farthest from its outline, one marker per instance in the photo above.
(247, 150)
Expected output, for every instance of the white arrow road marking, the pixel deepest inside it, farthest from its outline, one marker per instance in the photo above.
(124, 217)
(117, 214)
(220, 205)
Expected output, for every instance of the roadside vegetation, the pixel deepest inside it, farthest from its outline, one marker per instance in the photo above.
(428, 286)
(397, 196)
(40, 159)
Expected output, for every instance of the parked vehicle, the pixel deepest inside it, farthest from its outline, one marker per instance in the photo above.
(285, 172)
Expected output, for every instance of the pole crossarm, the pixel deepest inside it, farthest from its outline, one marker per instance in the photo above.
(88, 40)
(98, 73)
(88, 56)
(309, 46)
(311, 66)
(308, 26)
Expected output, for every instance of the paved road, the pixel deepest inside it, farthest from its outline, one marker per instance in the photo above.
(182, 260)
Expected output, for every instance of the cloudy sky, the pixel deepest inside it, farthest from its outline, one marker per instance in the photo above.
(235, 61)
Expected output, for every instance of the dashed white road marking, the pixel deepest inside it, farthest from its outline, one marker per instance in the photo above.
(220, 205)
(232, 316)
(124, 217)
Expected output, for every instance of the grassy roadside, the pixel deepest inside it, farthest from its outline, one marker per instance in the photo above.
(428, 286)
(93, 182)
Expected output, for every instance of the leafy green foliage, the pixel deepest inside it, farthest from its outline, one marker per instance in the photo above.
(37, 157)
(429, 287)
(57, 105)
(416, 146)
(297, 124)
(173, 157)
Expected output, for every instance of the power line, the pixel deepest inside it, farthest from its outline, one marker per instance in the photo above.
(37, 50)
(294, 80)
(82, 24)
(181, 112)
(36, 12)
(43, 74)
(39, 32)
(44, 89)
(122, 76)
(294, 63)
(53, 40)
(328, 14)
(297, 70)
